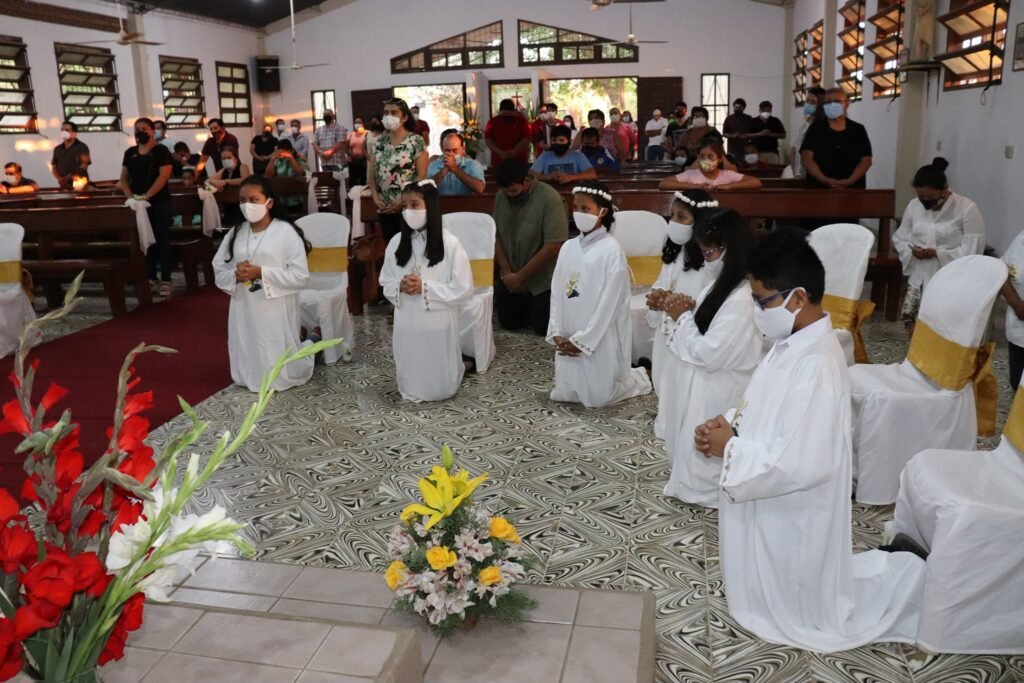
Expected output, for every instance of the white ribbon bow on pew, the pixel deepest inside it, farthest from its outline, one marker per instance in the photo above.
(311, 203)
(341, 176)
(146, 238)
(211, 211)
(358, 229)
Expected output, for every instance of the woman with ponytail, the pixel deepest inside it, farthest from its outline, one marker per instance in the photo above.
(427, 276)
(714, 348)
(261, 265)
(589, 323)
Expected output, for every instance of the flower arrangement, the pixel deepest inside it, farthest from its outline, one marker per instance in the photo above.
(452, 562)
(110, 535)
(471, 132)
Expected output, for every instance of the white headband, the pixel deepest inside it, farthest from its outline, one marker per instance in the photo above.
(592, 190)
(420, 183)
(712, 204)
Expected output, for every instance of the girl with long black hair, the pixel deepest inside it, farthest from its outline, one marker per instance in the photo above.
(427, 276)
(714, 348)
(589, 324)
(261, 265)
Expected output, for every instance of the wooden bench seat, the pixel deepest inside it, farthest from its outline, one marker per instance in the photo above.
(107, 271)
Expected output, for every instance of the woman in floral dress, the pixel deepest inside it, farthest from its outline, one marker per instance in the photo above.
(397, 157)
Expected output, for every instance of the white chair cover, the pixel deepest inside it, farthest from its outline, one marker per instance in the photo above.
(966, 507)
(844, 250)
(897, 410)
(146, 238)
(342, 176)
(211, 211)
(311, 203)
(476, 233)
(15, 308)
(641, 234)
(358, 229)
(324, 302)
(787, 172)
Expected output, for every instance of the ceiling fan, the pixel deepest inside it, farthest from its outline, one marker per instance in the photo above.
(294, 66)
(631, 38)
(123, 36)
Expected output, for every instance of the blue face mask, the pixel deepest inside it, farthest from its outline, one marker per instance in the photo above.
(834, 110)
(809, 109)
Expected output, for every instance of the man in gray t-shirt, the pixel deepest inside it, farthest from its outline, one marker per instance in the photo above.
(69, 156)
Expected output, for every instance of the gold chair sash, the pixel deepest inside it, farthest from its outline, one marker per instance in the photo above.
(328, 260)
(645, 269)
(952, 366)
(850, 314)
(1014, 429)
(483, 272)
(10, 272)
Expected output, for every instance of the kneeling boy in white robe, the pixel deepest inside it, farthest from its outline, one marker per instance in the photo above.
(262, 265)
(589, 322)
(784, 509)
(427, 276)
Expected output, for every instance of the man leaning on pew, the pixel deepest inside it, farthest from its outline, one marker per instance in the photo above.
(16, 183)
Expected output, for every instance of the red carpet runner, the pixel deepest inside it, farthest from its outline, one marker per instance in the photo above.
(87, 363)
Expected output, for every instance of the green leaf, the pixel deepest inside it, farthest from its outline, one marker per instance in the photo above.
(61, 673)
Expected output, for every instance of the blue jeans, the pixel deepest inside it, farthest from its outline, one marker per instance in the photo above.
(655, 153)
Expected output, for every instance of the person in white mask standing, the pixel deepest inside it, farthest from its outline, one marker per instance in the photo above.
(784, 501)
(589, 324)
(427, 276)
(261, 265)
(398, 157)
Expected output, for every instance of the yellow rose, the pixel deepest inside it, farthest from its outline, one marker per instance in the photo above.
(395, 574)
(440, 557)
(502, 530)
(489, 576)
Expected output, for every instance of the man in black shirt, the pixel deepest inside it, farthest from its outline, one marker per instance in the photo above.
(261, 149)
(836, 151)
(69, 156)
(736, 127)
(146, 168)
(218, 140)
(183, 159)
(14, 182)
(765, 132)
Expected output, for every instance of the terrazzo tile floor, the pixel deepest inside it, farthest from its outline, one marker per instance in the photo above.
(334, 462)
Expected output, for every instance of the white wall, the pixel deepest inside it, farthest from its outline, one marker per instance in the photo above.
(358, 40)
(182, 37)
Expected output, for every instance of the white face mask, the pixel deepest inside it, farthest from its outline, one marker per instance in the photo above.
(615, 118)
(766, 115)
(280, 128)
(254, 213)
(11, 179)
(776, 323)
(391, 122)
(628, 119)
(159, 134)
(713, 269)
(585, 222)
(751, 159)
(543, 116)
(680, 233)
(65, 135)
(415, 116)
(596, 123)
(680, 161)
(415, 218)
(359, 128)
(700, 122)
(295, 130)
(228, 163)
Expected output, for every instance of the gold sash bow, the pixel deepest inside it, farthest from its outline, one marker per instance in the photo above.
(483, 272)
(12, 272)
(850, 314)
(328, 260)
(1014, 429)
(952, 366)
(645, 269)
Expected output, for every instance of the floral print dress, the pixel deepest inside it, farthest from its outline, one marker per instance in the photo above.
(395, 165)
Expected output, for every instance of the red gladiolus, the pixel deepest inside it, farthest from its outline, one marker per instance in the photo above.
(136, 403)
(28, 622)
(13, 378)
(17, 548)
(114, 649)
(131, 613)
(54, 393)
(14, 420)
(130, 620)
(50, 585)
(128, 512)
(9, 508)
(10, 650)
(89, 572)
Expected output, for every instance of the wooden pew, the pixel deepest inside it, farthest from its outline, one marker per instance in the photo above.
(57, 234)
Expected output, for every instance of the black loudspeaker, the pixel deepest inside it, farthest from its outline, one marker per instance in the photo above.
(268, 76)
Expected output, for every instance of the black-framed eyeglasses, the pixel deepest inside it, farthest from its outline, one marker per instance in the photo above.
(761, 303)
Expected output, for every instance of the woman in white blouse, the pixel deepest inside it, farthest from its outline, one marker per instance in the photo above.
(938, 227)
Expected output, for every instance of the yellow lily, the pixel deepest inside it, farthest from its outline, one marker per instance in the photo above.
(442, 495)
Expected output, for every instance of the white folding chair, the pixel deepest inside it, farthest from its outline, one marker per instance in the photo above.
(325, 300)
(641, 234)
(844, 250)
(966, 509)
(15, 308)
(476, 233)
(928, 400)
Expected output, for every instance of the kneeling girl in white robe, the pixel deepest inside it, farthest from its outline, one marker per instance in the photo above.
(784, 516)
(262, 265)
(682, 272)
(713, 349)
(427, 277)
(589, 323)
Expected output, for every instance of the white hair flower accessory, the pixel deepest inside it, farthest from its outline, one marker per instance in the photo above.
(428, 181)
(594, 191)
(711, 204)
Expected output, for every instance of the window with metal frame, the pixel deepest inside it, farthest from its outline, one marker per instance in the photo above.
(714, 96)
(88, 87)
(815, 50)
(182, 82)
(887, 48)
(975, 43)
(800, 69)
(481, 48)
(851, 56)
(321, 100)
(233, 94)
(17, 103)
(540, 44)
